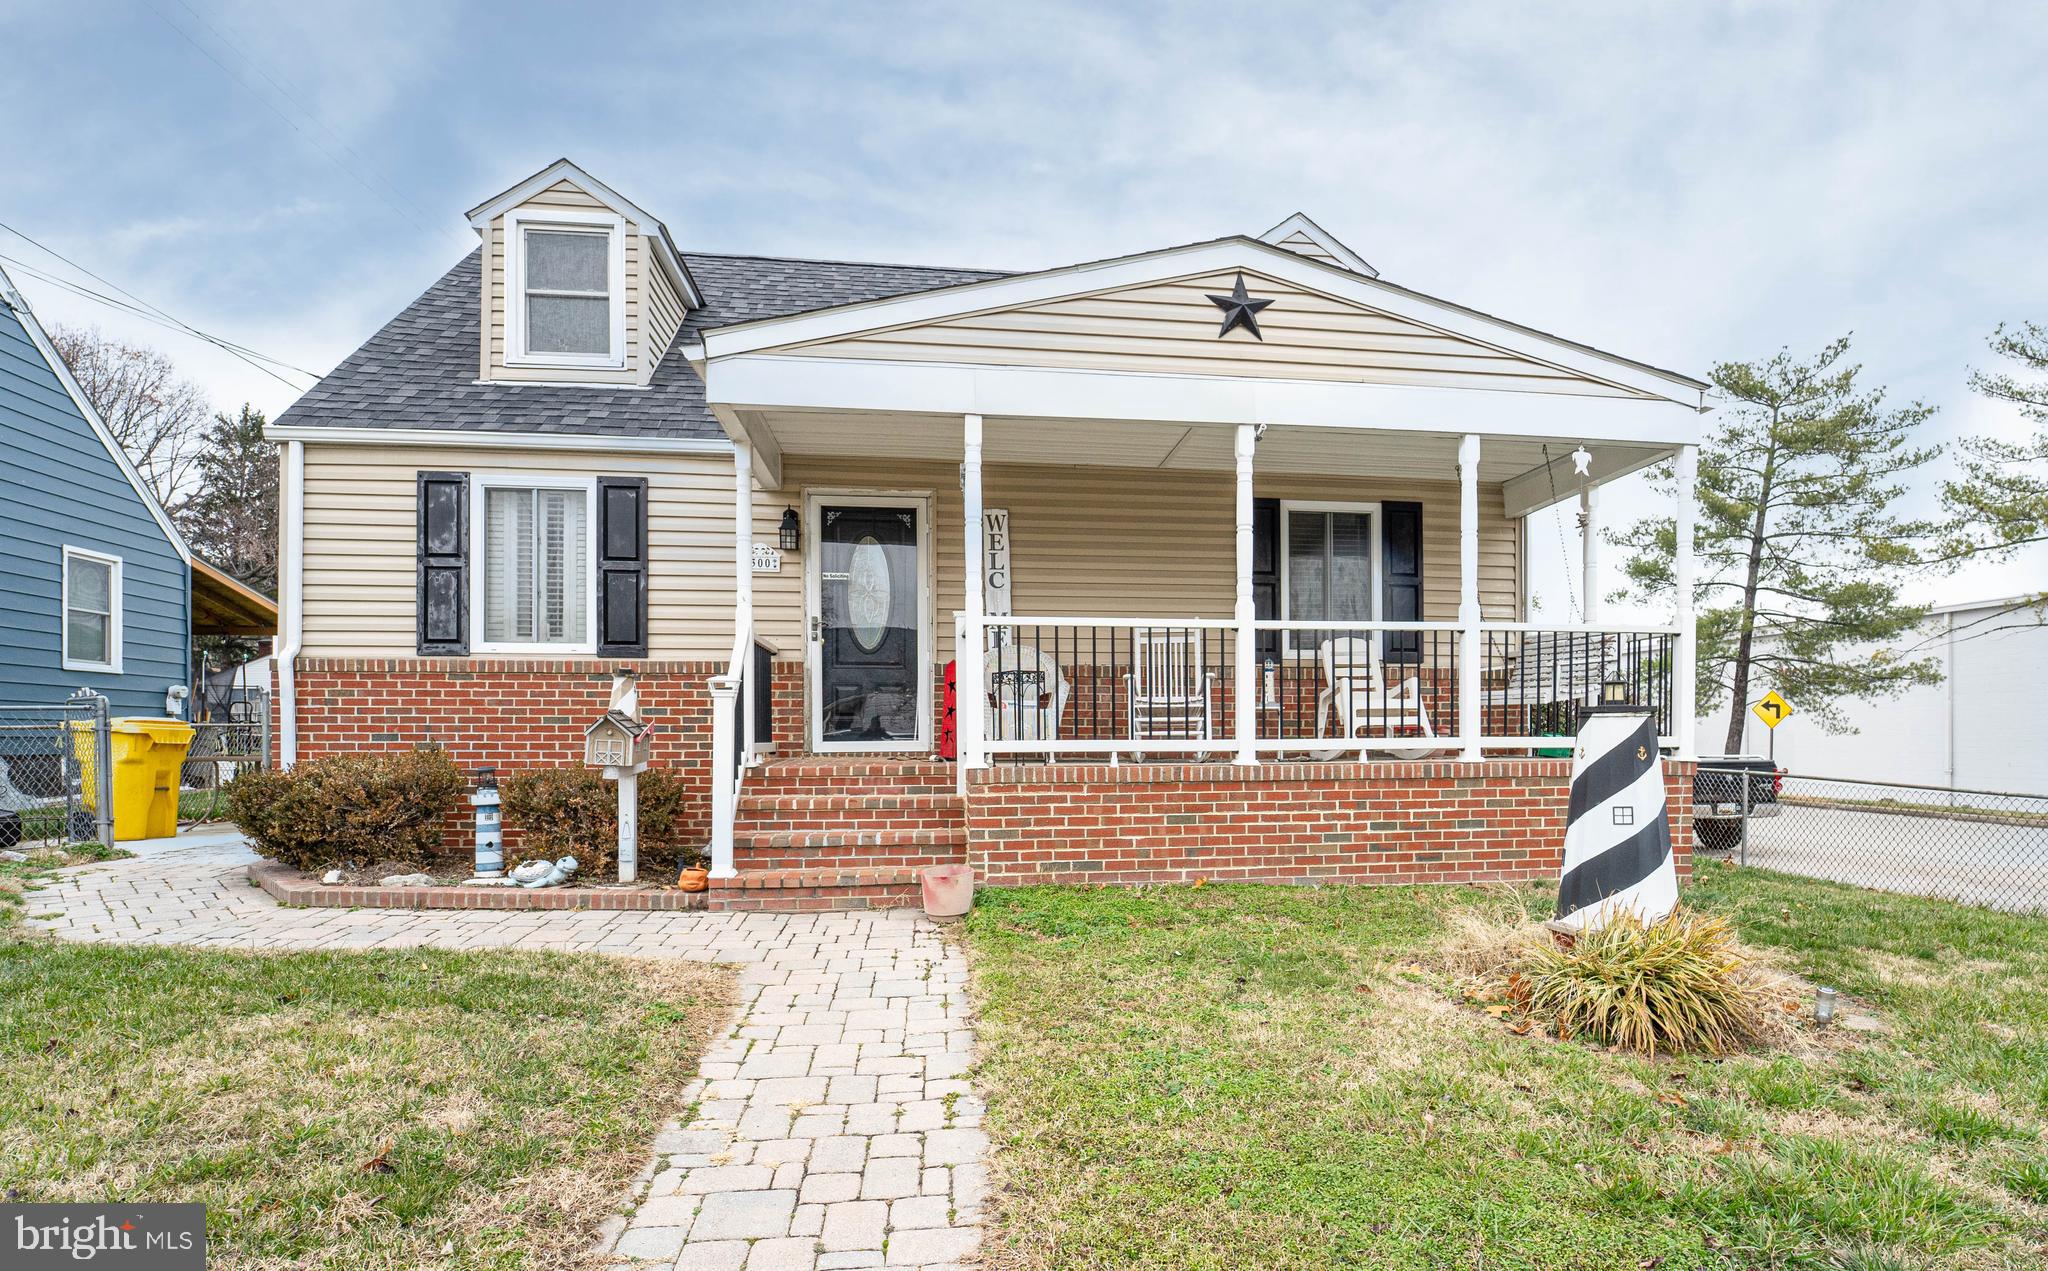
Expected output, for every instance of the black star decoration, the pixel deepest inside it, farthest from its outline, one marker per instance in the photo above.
(1239, 310)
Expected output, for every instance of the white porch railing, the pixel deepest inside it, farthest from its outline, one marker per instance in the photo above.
(742, 730)
(1074, 687)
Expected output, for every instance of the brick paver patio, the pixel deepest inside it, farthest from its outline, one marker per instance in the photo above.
(834, 1126)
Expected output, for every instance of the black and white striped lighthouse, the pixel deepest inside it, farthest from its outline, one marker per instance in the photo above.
(1617, 838)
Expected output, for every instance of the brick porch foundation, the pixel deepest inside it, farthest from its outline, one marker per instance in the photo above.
(817, 831)
(1430, 821)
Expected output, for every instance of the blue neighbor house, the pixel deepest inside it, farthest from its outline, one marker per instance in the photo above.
(97, 581)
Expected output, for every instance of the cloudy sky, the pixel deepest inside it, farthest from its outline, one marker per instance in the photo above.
(1680, 184)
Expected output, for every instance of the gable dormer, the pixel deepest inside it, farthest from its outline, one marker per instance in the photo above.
(1304, 237)
(579, 284)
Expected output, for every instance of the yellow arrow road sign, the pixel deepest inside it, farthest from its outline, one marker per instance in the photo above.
(1773, 709)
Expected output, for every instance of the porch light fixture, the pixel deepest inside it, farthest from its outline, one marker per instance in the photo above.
(792, 530)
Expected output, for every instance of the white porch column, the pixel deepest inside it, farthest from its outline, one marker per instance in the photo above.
(1682, 671)
(1589, 551)
(970, 702)
(1245, 692)
(1468, 597)
(743, 586)
(743, 536)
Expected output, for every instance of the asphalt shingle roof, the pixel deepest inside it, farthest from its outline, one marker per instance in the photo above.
(420, 370)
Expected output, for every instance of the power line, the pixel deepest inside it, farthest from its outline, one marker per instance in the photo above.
(291, 123)
(311, 115)
(150, 312)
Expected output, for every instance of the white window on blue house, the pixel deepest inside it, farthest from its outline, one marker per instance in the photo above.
(92, 611)
(535, 581)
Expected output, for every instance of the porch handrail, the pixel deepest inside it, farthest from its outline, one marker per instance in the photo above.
(735, 728)
(1445, 689)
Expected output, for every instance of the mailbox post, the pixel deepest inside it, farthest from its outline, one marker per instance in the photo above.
(617, 742)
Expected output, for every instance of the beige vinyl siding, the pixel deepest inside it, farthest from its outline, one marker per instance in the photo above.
(562, 194)
(1107, 542)
(665, 310)
(361, 510)
(1090, 542)
(1171, 328)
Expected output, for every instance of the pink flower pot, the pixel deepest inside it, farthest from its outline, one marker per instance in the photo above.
(948, 889)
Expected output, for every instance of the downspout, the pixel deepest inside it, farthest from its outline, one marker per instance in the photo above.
(291, 599)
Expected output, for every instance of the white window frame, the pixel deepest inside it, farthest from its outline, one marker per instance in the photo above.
(1376, 582)
(519, 221)
(479, 482)
(113, 663)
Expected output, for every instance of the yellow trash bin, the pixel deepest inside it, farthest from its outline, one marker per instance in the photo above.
(148, 756)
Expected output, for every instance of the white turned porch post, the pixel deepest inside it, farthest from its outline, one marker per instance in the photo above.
(1468, 598)
(1589, 551)
(970, 705)
(1245, 713)
(1682, 671)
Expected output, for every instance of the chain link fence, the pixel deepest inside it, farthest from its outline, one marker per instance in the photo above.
(52, 763)
(1979, 847)
(222, 747)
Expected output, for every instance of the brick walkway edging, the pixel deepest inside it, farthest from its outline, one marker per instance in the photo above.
(293, 889)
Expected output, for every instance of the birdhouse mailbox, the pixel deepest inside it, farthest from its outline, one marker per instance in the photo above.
(615, 740)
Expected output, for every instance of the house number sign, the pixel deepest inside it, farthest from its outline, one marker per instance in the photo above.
(767, 560)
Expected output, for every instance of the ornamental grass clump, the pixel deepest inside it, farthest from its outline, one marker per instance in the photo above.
(1677, 984)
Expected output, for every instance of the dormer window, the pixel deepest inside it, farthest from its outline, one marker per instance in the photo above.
(565, 289)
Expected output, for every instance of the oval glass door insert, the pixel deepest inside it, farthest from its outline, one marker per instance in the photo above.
(868, 593)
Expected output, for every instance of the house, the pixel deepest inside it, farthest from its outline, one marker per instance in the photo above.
(1957, 734)
(102, 591)
(1205, 561)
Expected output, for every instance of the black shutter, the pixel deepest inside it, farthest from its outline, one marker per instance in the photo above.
(442, 608)
(1401, 562)
(1266, 572)
(622, 567)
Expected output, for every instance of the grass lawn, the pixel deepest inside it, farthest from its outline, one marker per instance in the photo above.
(382, 1109)
(1228, 1077)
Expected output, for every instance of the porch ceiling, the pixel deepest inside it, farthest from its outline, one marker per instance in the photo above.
(1347, 452)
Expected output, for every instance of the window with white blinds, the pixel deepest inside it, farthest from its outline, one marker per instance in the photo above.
(536, 567)
(1328, 572)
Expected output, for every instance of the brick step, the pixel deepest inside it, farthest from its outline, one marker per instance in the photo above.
(808, 777)
(828, 768)
(779, 804)
(848, 848)
(872, 837)
(817, 889)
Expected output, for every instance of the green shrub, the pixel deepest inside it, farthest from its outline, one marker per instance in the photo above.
(558, 812)
(1677, 984)
(364, 807)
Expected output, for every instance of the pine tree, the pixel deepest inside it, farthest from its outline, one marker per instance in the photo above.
(2000, 503)
(231, 517)
(1799, 553)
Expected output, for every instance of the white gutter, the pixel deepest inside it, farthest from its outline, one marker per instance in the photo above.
(291, 595)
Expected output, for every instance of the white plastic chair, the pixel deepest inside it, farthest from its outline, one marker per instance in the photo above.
(1027, 693)
(1355, 688)
(1168, 686)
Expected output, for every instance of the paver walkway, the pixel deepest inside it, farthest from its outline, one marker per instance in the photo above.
(834, 1127)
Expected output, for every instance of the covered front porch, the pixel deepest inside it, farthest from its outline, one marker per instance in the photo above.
(1162, 608)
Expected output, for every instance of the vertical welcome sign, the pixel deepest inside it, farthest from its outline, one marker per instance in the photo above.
(995, 569)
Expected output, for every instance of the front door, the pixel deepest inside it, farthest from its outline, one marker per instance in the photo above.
(868, 628)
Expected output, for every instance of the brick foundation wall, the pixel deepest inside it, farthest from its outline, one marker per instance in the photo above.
(1421, 822)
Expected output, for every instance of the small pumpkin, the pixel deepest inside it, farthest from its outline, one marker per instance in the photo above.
(694, 878)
